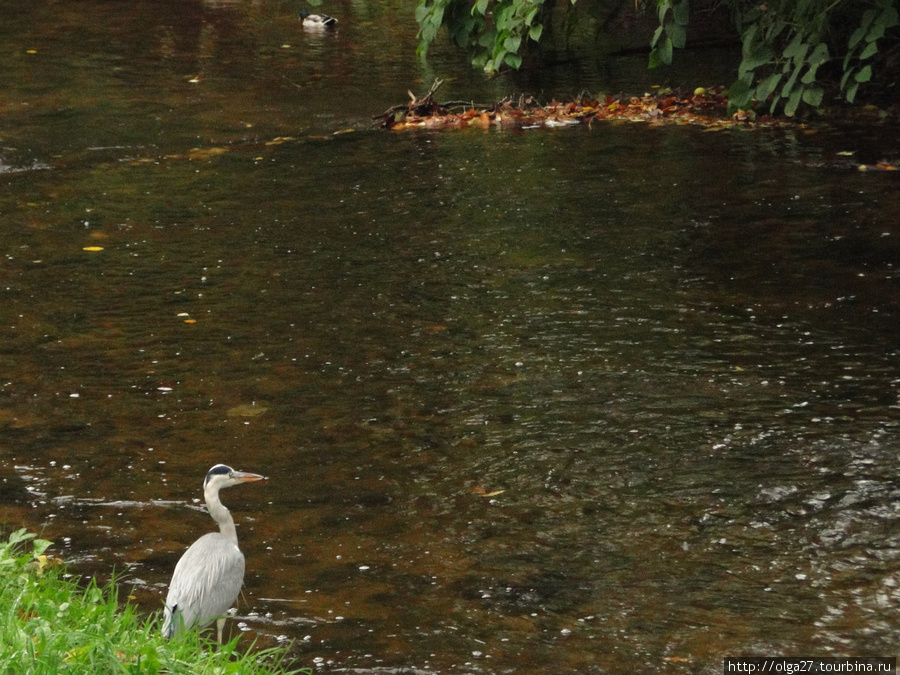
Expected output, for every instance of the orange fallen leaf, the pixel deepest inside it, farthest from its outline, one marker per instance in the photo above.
(481, 492)
(190, 320)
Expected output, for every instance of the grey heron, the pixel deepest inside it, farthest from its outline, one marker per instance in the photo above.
(208, 577)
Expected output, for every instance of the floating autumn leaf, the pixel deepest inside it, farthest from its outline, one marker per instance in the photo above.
(190, 320)
(92, 248)
(278, 140)
(248, 410)
(481, 492)
(205, 153)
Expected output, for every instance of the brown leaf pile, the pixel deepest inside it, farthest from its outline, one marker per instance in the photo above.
(703, 107)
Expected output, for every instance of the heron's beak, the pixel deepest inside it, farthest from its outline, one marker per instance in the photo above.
(244, 477)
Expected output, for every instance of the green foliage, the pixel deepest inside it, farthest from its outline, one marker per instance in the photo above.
(784, 45)
(787, 45)
(495, 31)
(50, 625)
(674, 16)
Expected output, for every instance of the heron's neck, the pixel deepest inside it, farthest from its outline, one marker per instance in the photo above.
(220, 514)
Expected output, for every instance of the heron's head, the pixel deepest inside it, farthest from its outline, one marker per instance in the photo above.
(221, 476)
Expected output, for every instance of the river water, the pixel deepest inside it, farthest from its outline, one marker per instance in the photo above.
(614, 399)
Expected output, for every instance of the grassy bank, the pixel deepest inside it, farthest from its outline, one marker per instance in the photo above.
(49, 624)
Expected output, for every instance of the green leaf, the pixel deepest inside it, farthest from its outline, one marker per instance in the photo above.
(864, 75)
(775, 30)
(767, 86)
(19, 536)
(800, 55)
(740, 93)
(480, 7)
(795, 47)
(793, 102)
(870, 50)
(41, 545)
(876, 32)
(665, 51)
(847, 74)
(867, 18)
(664, 7)
(512, 43)
(513, 60)
(682, 13)
(535, 32)
(776, 99)
(747, 39)
(810, 76)
(813, 96)
(787, 90)
(851, 92)
(677, 34)
(819, 55)
(657, 35)
(857, 35)
(532, 13)
(754, 60)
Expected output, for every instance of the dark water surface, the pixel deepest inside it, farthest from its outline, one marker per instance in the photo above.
(615, 399)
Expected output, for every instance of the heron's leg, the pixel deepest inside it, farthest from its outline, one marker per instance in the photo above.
(220, 626)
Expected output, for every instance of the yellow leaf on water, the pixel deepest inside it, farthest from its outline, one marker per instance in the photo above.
(92, 248)
(203, 153)
(248, 410)
(481, 492)
(190, 320)
(31, 51)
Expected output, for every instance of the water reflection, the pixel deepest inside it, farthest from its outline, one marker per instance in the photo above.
(589, 400)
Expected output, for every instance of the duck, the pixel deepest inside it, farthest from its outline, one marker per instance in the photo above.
(317, 21)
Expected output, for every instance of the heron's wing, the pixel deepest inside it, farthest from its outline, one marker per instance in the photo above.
(205, 584)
